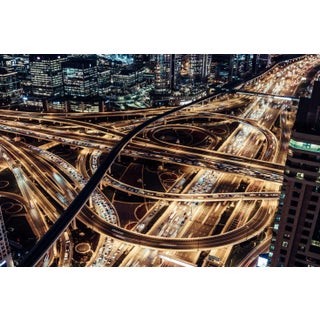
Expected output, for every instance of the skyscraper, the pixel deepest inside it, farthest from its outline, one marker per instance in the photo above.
(199, 67)
(80, 77)
(5, 256)
(240, 65)
(10, 90)
(179, 75)
(163, 73)
(296, 229)
(46, 75)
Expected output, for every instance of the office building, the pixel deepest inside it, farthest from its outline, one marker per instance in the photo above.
(80, 77)
(240, 66)
(46, 75)
(5, 256)
(104, 81)
(10, 90)
(179, 76)
(127, 79)
(296, 229)
(199, 67)
(163, 74)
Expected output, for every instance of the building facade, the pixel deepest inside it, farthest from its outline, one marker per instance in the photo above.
(296, 229)
(5, 255)
(240, 66)
(80, 77)
(10, 90)
(127, 79)
(199, 66)
(46, 75)
(104, 81)
(163, 74)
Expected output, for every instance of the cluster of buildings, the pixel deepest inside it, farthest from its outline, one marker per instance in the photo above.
(89, 82)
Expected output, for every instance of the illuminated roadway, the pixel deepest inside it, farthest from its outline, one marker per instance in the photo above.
(116, 143)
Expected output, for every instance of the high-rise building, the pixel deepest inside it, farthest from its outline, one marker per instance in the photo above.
(220, 68)
(104, 81)
(199, 67)
(46, 75)
(262, 61)
(176, 65)
(10, 90)
(180, 78)
(127, 78)
(167, 72)
(5, 255)
(240, 65)
(163, 74)
(296, 229)
(80, 77)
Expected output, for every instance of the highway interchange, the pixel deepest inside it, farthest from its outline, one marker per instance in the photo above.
(217, 166)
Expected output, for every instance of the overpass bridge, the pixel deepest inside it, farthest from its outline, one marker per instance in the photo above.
(262, 94)
(57, 229)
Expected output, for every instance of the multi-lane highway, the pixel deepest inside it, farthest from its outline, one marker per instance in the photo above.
(215, 166)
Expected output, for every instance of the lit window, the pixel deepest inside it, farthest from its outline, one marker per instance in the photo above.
(315, 243)
(300, 175)
(285, 244)
(276, 226)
